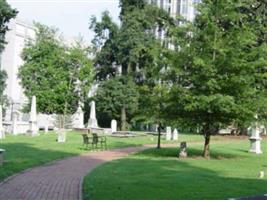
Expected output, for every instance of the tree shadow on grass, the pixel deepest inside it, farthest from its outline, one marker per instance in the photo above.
(133, 178)
(20, 156)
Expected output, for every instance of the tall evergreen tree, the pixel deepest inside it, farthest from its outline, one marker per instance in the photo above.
(131, 47)
(117, 99)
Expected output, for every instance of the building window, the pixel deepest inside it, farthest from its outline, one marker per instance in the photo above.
(185, 7)
(0, 60)
(178, 9)
(161, 3)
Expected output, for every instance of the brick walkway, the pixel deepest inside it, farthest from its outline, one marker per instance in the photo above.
(60, 180)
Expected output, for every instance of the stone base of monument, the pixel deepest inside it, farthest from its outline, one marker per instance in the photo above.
(61, 136)
(2, 134)
(98, 130)
(255, 145)
(2, 151)
(124, 134)
(92, 123)
(21, 128)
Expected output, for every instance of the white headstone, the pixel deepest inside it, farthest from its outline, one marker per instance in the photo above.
(46, 124)
(33, 118)
(61, 137)
(2, 132)
(255, 140)
(175, 134)
(113, 126)
(46, 128)
(92, 123)
(168, 133)
(14, 123)
(78, 118)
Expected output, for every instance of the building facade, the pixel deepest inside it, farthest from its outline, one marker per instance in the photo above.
(185, 8)
(19, 33)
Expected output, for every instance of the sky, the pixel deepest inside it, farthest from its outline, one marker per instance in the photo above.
(71, 17)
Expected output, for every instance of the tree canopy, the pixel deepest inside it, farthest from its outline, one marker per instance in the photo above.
(129, 47)
(6, 14)
(59, 76)
(216, 67)
(115, 99)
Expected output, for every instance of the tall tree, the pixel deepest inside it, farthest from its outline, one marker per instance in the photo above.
(117, 98)
(58, 76)
(129, 46)
(216, 67)
(128, 49)
(6, 14)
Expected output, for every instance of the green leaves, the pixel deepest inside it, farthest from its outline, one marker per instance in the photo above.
(57, 75)
(6, 14)
(130, 45)
(115, 94)
(218, 81)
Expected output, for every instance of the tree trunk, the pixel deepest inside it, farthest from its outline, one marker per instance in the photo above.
(206, 152)
(124, 69)
(123, 119)
(159, 135)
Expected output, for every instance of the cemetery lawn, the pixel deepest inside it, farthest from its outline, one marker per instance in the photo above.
(158, 174)
(24, 152)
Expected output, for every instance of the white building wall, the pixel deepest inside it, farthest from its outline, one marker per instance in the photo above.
(11, 60)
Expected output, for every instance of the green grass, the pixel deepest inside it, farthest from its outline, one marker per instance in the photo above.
(159, 174)
(23, 152)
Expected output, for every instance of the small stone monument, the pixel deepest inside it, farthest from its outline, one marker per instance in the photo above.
(61, 136)
(255, 139)
(261, 175)
(2, 132)
(168, 133)
(33, 118)
(113, 126)
(78, 118)
(183, 150)
(175, 134)
(92, 123)
(2, 151)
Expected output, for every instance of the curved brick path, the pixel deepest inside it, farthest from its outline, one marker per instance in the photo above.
(60, 180)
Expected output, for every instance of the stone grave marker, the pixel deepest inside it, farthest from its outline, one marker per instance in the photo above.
(61, 137)
(168, 133)
(183, 150)
(33, 118)
(113, 126)
(175, 134)
(255, 140)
